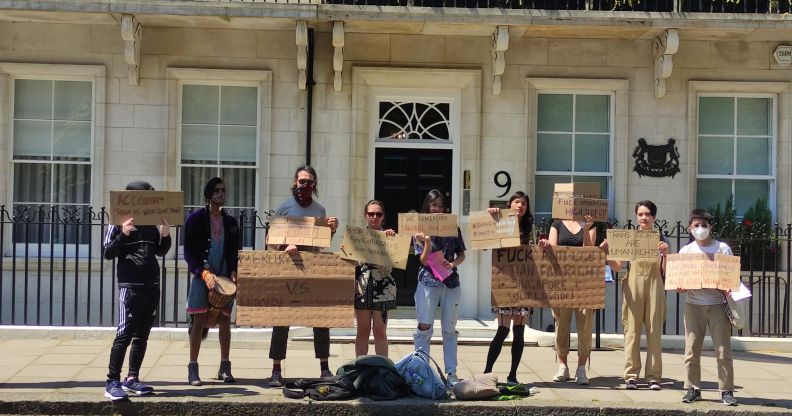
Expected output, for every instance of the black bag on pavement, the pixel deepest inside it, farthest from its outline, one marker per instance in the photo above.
(376, 377)
(339, 387)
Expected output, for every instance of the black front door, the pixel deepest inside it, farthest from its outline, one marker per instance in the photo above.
(402, 179)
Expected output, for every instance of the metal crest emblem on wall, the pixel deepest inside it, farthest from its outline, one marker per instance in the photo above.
(656, 160)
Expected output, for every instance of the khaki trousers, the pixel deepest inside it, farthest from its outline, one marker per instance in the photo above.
(584, 318)
(644, 305)
(697, 318)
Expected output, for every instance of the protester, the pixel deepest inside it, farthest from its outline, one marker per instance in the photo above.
(572, 234)
(138, 271)
(704, 308)
(516, 316)
(375, 292)
(644, 304)
(301, 204)
(211, 249)
(431, 290)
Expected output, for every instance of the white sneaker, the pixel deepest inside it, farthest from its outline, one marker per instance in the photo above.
(563, 373)
(580, 375)
(452, 380)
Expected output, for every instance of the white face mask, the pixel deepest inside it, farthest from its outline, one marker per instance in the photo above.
(701, 233)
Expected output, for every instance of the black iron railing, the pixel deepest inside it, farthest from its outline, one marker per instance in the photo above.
(764, 252)
(53, 271)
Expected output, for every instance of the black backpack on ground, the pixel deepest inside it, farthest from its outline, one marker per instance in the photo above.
(376, 377)
(339, 387)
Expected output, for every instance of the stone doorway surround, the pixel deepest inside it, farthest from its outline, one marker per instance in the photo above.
(465, 83)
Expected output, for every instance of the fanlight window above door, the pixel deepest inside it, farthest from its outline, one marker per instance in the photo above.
(414, 121)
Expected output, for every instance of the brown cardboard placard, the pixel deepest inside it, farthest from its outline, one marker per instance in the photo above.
(435, 225)
(573, 201)
(488, 231)
(630, 245)
(561, 277)
(309, 289)
(300, 231)
(572, 208)
(702, 271)
(147, 207)
(578, 189)
(372, 246)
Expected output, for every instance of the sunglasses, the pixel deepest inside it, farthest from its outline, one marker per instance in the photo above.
(305, 181)
(217, 190)
(375, 214)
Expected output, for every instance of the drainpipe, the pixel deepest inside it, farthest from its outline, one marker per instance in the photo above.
(309, 86)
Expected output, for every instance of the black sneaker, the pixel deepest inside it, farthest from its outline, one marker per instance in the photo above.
(631, 385)
(325, 374)
(691, 396)
(135, 386)
(114, 391)
(276, 380)
(728, 399)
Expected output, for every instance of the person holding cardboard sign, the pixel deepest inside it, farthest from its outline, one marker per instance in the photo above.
(644, 304)
(211, 249)
(514, 316)
(438, 281)
(704, 308)
(136, 248)
(375, 292)
(573, 234)
(302, 204)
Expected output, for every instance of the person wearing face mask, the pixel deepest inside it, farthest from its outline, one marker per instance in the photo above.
(704, 308)
(644, 304)
(431, 291)
(211, 249)
(301, 204)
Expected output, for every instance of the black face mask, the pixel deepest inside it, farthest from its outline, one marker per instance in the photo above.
(303, 194)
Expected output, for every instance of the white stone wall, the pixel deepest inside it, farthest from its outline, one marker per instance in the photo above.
(494, 136)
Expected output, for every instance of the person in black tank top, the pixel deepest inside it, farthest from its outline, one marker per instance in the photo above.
(572, 234)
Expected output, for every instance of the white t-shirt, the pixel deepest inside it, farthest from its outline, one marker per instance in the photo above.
(706, 296)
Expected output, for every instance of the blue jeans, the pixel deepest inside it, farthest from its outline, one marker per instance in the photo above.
(426, 300)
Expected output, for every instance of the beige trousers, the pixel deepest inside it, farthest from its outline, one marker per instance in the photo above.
(644, 305)
(584, 318)
(697, 318)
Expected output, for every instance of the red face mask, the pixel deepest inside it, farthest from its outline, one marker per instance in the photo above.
(303, 194)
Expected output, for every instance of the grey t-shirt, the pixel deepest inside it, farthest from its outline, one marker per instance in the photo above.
(291, 208)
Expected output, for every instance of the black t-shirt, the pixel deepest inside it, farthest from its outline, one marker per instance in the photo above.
(565, 237)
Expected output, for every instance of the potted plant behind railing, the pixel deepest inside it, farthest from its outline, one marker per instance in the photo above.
(761, 242)
(726, 227)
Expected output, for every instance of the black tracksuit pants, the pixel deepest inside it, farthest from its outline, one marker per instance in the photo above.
(137, 309)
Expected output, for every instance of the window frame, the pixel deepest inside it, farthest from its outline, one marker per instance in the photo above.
(618, 89)
(96, 75)
(779, 93)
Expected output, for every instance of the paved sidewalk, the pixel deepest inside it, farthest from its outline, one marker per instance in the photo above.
(41, 376)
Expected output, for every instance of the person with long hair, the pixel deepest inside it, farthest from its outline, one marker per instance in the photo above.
(516, 317)
(302, 204)
(211, 249)
(572, 234)
(375, 291)
(431, 290)
(643, 304)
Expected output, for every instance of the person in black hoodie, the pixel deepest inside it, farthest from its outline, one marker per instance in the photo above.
(211, 249)
(136, 248)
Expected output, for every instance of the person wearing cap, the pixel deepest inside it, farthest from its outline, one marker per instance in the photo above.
(301, 205)
(211, 249)
(138, 271)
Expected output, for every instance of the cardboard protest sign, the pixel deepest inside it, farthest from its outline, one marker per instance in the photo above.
(147, 207)
(435, 225)
(372, 246)
(573, 201)
(702, 271)
(560, 277)
(310, 289)
(488, 231)
(632, 245)
(300, 231)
